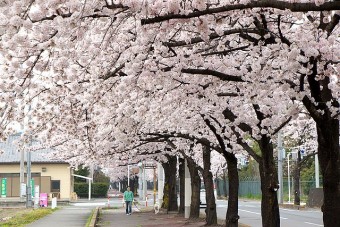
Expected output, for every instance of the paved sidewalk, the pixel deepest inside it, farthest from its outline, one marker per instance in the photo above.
(65, 217)
(117, 217)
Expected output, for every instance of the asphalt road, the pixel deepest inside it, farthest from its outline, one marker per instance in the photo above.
(249, 212)
(66, 217)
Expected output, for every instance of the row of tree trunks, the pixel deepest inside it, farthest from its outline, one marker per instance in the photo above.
(211, 215)
(170, 182)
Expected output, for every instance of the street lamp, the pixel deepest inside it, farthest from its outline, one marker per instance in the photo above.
(288, 176)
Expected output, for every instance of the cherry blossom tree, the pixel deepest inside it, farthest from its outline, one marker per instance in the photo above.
(89, 70)
(309, 71)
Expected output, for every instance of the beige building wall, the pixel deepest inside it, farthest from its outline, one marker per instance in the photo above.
(60, 172)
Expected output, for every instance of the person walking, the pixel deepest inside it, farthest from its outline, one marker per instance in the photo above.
(128, 198)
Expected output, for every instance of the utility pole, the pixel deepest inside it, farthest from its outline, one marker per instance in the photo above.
(187, 191)
(87, 178)
(128, 175)
(279, 167)
(144, 183)
(22, 174)
(29, 187)
(140, 181)
(288, 154)
(160, 183)
(154, 185)
(317, 178)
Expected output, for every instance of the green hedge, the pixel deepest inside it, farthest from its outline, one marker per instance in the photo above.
(97, 189)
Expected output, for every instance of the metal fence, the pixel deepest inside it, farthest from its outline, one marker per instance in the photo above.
(251, 188)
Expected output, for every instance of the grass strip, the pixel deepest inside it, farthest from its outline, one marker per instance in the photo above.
(26, 218)
(110, 208)
(89, 218)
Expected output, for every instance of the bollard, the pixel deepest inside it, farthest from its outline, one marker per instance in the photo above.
(108, 201)
(146, 200)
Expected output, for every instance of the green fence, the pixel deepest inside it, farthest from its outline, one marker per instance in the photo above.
(251, 188)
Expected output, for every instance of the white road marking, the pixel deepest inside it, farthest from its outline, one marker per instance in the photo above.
(249, 206)
(313, 224)
(289, 210)
(249, 211)
(89, 204)
(257, 213)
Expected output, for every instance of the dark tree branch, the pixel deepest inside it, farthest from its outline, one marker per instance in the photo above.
(228, 94)
(225, 52)
(283, 39)
(221, 76)
(282, 125)
(114, 73)
(294, 7)
(245, 146)
(311, 109)
(211, 37)
(218, 136)
(228, 114)
(307, 157)
(331, 25)
(167, 135)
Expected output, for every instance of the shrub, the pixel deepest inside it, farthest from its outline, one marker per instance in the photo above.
(97, 189)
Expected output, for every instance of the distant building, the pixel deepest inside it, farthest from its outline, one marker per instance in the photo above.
(54, 177)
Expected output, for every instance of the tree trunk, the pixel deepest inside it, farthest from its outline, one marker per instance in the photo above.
(327, 127)
(181, 171)
(218, 190)
(328, 151)
(296, 172)
(211, 215)
(225, 182)
(269, 184)
(165, 203)
(134, 185)
(170, 196)
(232, 212)
(195, 189)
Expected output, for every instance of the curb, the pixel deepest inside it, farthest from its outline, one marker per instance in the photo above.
(222, 221)
(94, 217)
(292, 206)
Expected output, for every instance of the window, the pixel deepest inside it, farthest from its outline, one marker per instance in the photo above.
(8, 175)
(55, 185)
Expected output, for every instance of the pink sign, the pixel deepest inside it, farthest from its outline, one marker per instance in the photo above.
(43, 200)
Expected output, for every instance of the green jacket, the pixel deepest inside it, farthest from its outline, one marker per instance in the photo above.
(128, 196)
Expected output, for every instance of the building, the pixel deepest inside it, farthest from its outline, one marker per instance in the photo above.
(54, 177)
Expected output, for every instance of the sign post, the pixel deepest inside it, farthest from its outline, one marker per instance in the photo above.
(22, 190)
(32, 188)
(4, 187)
(36, 196)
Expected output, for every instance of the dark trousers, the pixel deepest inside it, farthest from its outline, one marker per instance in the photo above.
(128, 205)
